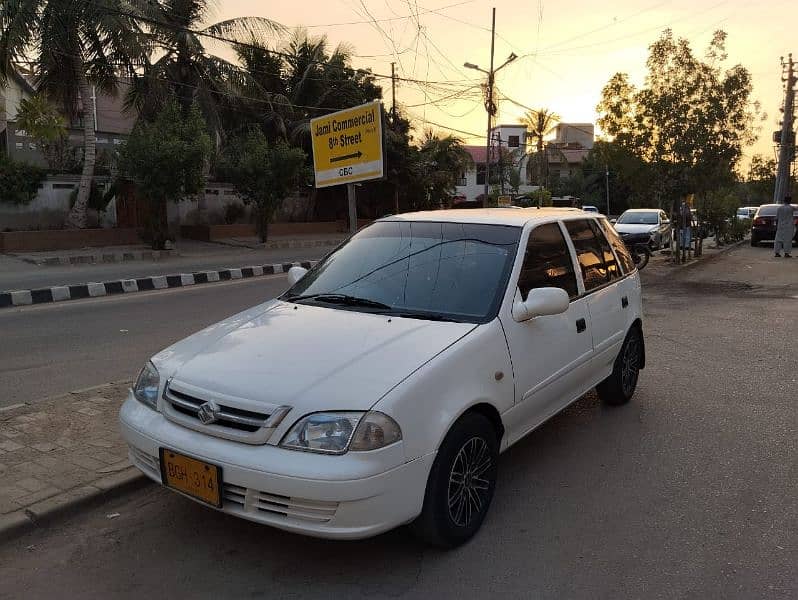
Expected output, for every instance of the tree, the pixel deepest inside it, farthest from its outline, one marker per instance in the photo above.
(45, 124)
(540, 123)
(166, 158)
(184, 69)
(687, 124)
(74, 46)
(304, 80)
(263, 174)
(441, 161)
(19, 181)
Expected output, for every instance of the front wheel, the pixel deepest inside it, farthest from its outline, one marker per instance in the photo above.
(460, 484)
(620, 386)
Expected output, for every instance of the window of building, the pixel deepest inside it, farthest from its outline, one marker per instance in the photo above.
(547, 262)
(513, 141)
(462, 180)
(481, 174)
(591, 254)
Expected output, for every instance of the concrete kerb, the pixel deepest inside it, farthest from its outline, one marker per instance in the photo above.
(46, 512)
(126, 286)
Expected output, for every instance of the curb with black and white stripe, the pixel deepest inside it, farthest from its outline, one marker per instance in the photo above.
(126, 286)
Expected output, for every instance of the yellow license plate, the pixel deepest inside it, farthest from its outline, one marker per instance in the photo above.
(194, 477)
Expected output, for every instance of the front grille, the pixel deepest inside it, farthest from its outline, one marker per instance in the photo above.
(243, 420)
(273, 505)
(238, 419)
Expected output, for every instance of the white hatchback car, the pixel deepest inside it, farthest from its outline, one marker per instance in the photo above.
(381, 387)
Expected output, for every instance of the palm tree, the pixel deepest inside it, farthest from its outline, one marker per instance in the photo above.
(304, 80)
(540, 122)
(75, 46)
(185, 69)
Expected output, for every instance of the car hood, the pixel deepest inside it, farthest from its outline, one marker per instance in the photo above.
(308, 357)
(631, 228)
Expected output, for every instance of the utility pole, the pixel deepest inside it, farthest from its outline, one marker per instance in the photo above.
(490, 106)
(786, 138)
(393, 92)
(393, 124)
(607, 184)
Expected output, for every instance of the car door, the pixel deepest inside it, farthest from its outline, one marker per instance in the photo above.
(601, 275)
(549, 353)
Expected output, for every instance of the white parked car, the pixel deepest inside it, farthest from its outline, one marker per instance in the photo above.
(381, 387)
(651, 223)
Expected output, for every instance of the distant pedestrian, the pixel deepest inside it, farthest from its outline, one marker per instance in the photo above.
(785, 228)
(685, 226)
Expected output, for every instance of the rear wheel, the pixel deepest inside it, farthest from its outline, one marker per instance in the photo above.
(461, 483)
(620, 386)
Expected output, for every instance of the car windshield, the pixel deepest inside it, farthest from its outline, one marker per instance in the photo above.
(444, 271)
(638, 218)
(768, 210)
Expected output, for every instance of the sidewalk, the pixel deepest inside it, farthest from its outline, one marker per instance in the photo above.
(183, 247)
(661, 263)
(192, 256)
(59, 453)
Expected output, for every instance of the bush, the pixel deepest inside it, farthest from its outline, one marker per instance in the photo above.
(234, 212)
(19, 181)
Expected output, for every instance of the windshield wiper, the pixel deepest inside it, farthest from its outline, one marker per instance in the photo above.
(425, 316)
(340, 299)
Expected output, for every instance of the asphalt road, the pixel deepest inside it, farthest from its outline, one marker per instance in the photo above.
(52, 349)
(690, 491)
(16, 274)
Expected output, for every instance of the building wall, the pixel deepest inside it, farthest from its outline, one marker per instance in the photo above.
(50, 207)
(578, 134)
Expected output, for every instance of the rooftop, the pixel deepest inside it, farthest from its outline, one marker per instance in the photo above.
(488, 216)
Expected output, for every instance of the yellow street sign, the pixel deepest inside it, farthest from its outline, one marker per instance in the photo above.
(347, 145)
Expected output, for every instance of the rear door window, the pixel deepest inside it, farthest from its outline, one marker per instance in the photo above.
(621, 251)
(592, 254)
(547, 262)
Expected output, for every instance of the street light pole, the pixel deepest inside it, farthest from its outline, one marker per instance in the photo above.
(490, 107)
(607, 182)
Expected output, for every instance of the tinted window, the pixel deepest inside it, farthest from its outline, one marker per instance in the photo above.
(621, 251)
(452, 269)
(547, 262)
(590, 253)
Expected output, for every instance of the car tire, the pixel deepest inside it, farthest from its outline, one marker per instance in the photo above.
(620, 386)
(455, 506)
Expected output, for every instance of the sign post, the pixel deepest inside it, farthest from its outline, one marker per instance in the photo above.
(348, 148)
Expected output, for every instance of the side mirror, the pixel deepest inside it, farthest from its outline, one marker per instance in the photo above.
(295, 274)
(541, 302)
(613, 221)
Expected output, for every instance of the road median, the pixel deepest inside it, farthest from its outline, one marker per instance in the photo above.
(13, 298)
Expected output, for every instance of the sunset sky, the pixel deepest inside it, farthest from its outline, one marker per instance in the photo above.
(568, 50)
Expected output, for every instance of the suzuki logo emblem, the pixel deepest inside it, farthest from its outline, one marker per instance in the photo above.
(208, 413)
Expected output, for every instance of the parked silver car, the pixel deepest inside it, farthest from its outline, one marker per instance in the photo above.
(637, 222)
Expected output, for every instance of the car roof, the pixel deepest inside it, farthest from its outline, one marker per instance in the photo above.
(490, 216)
(642, 210)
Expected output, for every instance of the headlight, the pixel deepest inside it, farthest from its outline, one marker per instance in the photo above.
(337, 432)
(147, 384)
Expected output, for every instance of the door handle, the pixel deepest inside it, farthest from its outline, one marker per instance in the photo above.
(581, 325)
(624, 302)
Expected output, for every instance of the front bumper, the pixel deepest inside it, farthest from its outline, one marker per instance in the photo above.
(351, 496)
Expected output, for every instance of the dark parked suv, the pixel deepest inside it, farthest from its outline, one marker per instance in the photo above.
(763, 227)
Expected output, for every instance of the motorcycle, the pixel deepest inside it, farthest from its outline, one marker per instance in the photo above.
(639, 248)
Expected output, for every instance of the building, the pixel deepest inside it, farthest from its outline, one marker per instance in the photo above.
(571, 144)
